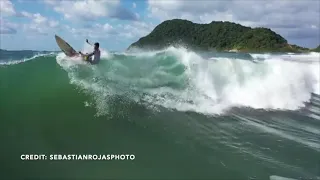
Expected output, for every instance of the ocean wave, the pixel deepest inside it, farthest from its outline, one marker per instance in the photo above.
(13, 62)
(176, 78)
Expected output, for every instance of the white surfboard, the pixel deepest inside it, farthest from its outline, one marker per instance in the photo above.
(65, 47)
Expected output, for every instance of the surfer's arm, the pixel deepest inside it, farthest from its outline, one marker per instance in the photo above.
(87, 41)
(83, 54)
(91, 54)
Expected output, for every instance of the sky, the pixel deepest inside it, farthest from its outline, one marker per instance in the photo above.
(115, 24)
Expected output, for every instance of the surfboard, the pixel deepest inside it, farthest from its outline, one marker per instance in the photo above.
(65, 47)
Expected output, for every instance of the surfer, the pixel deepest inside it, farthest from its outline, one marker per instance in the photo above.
(96, 54)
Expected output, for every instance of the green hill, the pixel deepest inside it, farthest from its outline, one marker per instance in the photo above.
(217, 35)
(316, 49)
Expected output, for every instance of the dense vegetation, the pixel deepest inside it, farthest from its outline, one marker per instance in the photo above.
(316, 49)
(216, 35)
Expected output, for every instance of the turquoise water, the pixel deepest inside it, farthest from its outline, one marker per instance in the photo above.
(183, 114)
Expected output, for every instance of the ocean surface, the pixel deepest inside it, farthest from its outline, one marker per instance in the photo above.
(182, 114)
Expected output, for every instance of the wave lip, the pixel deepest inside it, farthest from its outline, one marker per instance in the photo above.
(13, 62)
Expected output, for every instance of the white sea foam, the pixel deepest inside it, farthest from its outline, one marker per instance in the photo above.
(210, 86)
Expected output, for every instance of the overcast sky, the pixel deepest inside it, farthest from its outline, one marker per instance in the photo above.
(31, 24)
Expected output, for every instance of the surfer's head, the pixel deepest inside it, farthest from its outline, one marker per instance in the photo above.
(96, 45)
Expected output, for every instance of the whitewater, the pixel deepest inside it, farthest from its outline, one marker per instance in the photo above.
(185, 81)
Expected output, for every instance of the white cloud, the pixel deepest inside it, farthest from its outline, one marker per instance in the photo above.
(251, 11)
(51, 2)
(38, 19)
(134, 5)
(107, 27)
(26, 14)
(53, 23)
(35, 28)
(79, 31)
(87, 10)
(7, 8)
(135, 30)
(39, 24)
(82, 9)
(132, 31)
(7, 27)
(277, 15)
(96, 31)
(103, 29)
